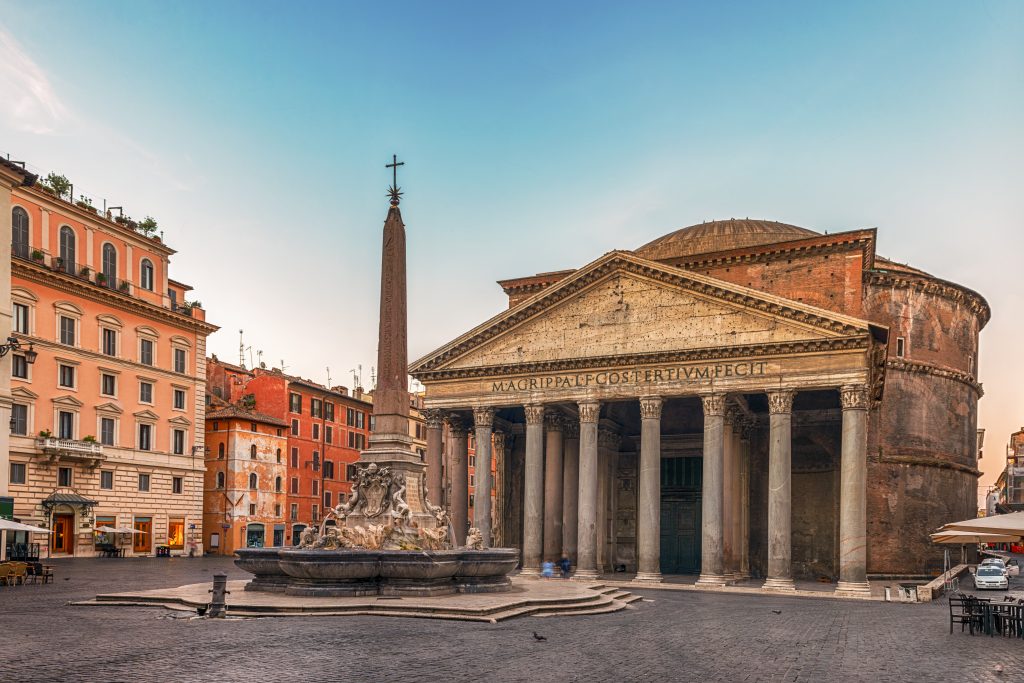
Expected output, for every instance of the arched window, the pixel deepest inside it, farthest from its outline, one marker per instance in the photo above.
(146, 274)
(279, 455)
(19, 234)
(220, 451)
(220, 480)
(253, 480)
(109, 263)
(67, 248)
(277, 484)
(252, 451)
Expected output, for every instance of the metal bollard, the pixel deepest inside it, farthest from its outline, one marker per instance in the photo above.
(218, 606)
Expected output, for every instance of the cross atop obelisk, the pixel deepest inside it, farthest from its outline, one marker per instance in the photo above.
(394, 191)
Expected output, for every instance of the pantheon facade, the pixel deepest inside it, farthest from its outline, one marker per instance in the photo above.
(739, 399)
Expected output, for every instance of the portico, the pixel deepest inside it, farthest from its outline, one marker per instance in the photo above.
(668, 418)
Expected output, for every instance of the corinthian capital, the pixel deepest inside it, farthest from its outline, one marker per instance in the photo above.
(434, 418)
(553, 421)
(499, 440)
(854, 397)
(534, 414)
(780, 402)
(714, 404)
(457, 427)
(650, 407)
(589, 411)
(483, 417)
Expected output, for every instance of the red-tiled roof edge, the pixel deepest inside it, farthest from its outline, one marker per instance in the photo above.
(232, 411)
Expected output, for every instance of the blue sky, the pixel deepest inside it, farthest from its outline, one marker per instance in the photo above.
(537, 136)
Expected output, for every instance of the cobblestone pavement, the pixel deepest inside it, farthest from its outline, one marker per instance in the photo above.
(679, 636)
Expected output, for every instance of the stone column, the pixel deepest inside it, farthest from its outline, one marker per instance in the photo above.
(587, 534)
(744, 446)
(483, 420)
(552, 486)
(499, 530)
(459, 507)
(533, 490)
(435, 481)
(711, 569)
(729, 471)
(570, 489)
(853, 552)
(648, 504)
(780, 484)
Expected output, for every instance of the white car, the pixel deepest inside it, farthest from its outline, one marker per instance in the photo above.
(991, 576)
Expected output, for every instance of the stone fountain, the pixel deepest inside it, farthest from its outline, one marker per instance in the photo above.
(388, 539)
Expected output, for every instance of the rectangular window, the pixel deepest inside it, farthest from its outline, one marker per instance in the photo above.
(295, 427)
(316, 512)
(327, 499)
(252, 509)
(360, 420)
(294, 512)
(63, 476)
(67, 330)
(108, 384)
(295, 403)
(316, 407)
(179, 400)
(146, 351)
(107, 479)
(295, 457)
(350, 417)
(472, 461)
(21, 318)
(145, 437)
(109, 342)
(316, 432)
(143, 482)
(180, 361)
(351, 471)
(277, 509)
(177, 485)
(65, 425)
(328, 469)
(900, 347)
(17, 473)
(19, 419)
(176, 534)
(316, 487)
(19, 366)
(329, 410)
(329, 434)
(360, 441)
(145, 392)
(316, 461)
(107, 431)
(295, 485)
(66, 376)
(178, 441)
(351, 439)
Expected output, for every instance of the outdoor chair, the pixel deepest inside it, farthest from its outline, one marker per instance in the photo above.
(6, 574)
(19, 572)
(962, 611)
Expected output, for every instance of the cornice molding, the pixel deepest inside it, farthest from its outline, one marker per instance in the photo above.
(935, 370)
(76, 287)
(958, 294)
(613, 262)
(825, 244)
(655, 358)
(923, 461)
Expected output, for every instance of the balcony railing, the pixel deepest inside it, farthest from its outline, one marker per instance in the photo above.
(71, 449)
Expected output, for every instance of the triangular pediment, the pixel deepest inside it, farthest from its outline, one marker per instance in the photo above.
(625, 306)
(109, 407)
(69, 401)
(179, 420)
(146, 415)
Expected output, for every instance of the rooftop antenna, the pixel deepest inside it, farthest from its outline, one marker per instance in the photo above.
(373, 376)
(259, 357)
(328, 377)
(241, 349)
(283, 366)
(357, 376)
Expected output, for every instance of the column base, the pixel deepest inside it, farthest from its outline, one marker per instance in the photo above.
(585, 575)
(860, 589)
(529, 571)
(784, 585)
(712, 581)
(647, 577)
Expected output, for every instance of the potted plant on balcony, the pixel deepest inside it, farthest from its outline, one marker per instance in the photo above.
(58, 263)
(123, 287)
(101, 279)
(84, 272)
(45, 434)
(38, 255)
(89, 438)
(85, 203)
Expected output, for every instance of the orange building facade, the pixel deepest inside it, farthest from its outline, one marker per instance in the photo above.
(244, 501)
(325, 430)
(107, 422)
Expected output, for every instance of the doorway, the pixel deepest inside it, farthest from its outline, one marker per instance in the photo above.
(63, 534)
(142, 539)
(681, 479)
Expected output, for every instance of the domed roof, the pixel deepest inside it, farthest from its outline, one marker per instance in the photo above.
(734, 233)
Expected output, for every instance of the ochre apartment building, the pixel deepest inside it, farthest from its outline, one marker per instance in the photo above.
(107, 422)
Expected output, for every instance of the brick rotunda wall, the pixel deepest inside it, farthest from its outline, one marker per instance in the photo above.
(922, 443)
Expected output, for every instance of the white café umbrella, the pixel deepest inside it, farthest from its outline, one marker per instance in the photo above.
(1010, 524)
(969, 537)
(105, 529)
(8, 525)
(129, 530)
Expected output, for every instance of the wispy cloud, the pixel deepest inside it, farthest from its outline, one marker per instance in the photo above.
(31, 104)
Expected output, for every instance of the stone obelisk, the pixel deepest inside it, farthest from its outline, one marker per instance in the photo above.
(391, 445)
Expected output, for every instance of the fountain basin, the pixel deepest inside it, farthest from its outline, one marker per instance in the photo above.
(331, 573)
(485, 571)
(266, 565)
(419, 573)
